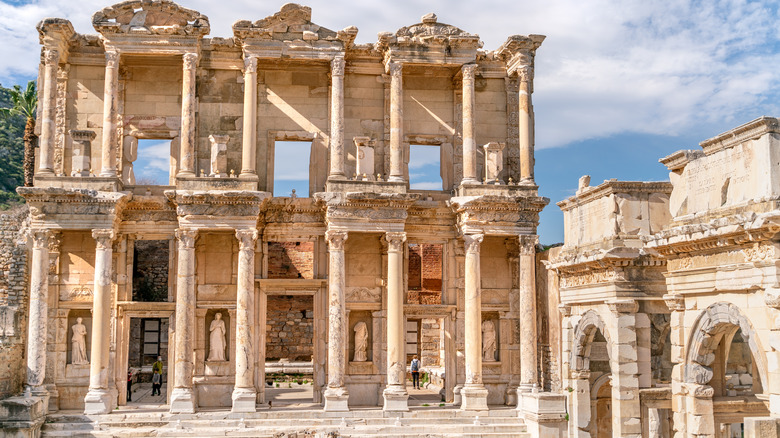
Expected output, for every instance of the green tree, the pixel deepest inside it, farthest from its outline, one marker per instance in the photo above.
(23, 104)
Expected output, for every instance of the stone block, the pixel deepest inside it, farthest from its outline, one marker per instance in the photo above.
(761, 427)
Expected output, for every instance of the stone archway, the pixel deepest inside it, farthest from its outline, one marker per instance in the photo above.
(717, 323)
(581, 403)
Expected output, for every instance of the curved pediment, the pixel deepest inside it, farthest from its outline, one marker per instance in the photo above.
(430, 27)
(145, 17)
(443, 43)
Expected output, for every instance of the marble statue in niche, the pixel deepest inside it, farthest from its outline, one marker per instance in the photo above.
(488, 341)
(217, 339)
(78, 354)
(361, 342)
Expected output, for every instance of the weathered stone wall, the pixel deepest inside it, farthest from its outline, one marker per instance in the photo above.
(291, 260)
(150, 270)
(13, 301)
(424, 273)
(290, 328)
(430, 342)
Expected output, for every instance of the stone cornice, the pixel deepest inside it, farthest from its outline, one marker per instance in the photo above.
(498, 215)
(749, 131)
(609, 187)
(56, 34)
(367, 212)
(678, 160)
(73, 208)
(143, 18)
(518, 51)
(429, 42)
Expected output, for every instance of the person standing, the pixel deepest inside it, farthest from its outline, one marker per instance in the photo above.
(415, 367)
(156, 382)
(158, 366)
(129, 384)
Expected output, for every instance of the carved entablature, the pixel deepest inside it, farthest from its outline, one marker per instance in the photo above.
(53, 207)
(498, 215)
(290, 33)
(228, 209)
(55, 35)
(518, 53)
(367, 212)
(429, 42)
(144, 17)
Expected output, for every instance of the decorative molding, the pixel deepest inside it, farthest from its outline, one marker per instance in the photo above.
(473, 242)
(247, 238)
(675, 302)
(336, 239)
(623, 306)
(186, 238)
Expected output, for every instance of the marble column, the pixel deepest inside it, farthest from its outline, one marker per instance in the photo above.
(51, 58)
(396, 121)
(469, 140)
(528, 339)
(526, 124)
(37, 327)
(244, 393)
(249, 141)
(183, 397)
(188, 122)
(473, 394)
(100, 399)
(337, 118)
(110, 114)
(395, 395)
(336, 395)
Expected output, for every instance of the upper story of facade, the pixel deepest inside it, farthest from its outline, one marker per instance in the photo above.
(227, 105)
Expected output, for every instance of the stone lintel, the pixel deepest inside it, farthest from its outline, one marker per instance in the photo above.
(96, 183)
(348, 186)
(226, 183)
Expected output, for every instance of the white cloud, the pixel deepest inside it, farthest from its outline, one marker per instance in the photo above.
(425, 185)
(607, 67)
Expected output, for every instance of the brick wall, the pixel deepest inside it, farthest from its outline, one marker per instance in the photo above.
(14, 296)
(150, 270)
(291, 260)
(289, 328)
(424, 277)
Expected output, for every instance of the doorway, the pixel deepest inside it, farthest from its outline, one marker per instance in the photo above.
(147, 351)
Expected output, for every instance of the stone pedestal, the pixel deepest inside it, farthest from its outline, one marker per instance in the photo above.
(219, 155)
(22, 417)
(244, 394)
(395, 395)
(365, 157)
(100, 399)
(336, 395)
(183, 398)
(494, 162)
(473, 394)
(544, 413)
(396, 121)
(80, 163)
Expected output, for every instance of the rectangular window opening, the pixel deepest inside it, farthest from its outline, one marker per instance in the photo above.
(152, 165)
(424, 275)
(150, 270)
(288, 260)
(291, 168)
(425, 167)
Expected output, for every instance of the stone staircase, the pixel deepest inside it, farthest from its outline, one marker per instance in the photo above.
(429, 423)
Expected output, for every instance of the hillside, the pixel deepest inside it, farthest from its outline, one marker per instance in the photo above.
(11, 154)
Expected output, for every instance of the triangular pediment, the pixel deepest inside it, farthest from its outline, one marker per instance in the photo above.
(292, 22)
(150, 17)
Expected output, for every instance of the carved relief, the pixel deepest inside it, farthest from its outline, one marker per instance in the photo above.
(759, 252)
(591, 277)
(76, 293)
(363, 295)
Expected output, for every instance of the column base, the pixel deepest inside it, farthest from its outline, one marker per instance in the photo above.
(457, 399)
(544, 413)
(244, 400)
(395, 179)
(474, 398)
(336, 400)
(183, 401)
(108, 173)
(396, 399)
(248, 176)
(99, 401)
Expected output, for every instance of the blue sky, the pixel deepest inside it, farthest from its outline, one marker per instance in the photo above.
(619, 83)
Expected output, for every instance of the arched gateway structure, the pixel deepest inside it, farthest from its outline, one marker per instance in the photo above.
(205, 258)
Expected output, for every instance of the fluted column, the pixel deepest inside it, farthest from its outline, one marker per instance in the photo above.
(473, 394)
(110, 110)
(337, 118)
(183, 398)
(244, 393)
(37, 327)
(336, 394)
(469, 140)
(526, 124)
(395, 395)
(187, 154)
(528, 339)
(249, 141)
(51, 59)
(100, 399)
(396, 121)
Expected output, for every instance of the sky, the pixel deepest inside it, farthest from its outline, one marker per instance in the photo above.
(618, 83)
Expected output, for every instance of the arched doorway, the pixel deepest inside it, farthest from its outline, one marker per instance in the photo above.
(591, 378)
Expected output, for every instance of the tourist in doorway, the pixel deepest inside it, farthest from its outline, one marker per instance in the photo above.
(415, 367)
(157, 367)
(156, 382)
(129, 385)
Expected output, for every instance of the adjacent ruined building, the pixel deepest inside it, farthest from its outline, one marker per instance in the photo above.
(657, 316)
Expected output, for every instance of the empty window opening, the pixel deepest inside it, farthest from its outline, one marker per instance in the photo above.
(424, 273)
(741, 376)
(150, 270)
(148, 341)
(291, 168)
(291, 260)
(425, 167)
(152, 165)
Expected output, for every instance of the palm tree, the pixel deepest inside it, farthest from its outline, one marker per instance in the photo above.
(24, 104)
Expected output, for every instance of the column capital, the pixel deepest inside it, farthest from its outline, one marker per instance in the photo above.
(103, 237)
(336, 239)
(250, 64)
(565, 310)
(337, 66)
(675, 302)
(395, 241)
(623, 306)
(247, 238)
(469, 71)
(472, 242)
(395, 68)
(112, 59)
(190, 60)
(580, 374)
(51, 56)
(186, 237)
(525, 73)
(527, 243)
(40, 238)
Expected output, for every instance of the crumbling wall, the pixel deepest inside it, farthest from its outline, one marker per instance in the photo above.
(290, 328)
(291, 260)
(424, 274)
(13, 301)
(150, 270)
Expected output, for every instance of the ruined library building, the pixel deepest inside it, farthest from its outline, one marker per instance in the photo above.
(216, 302)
